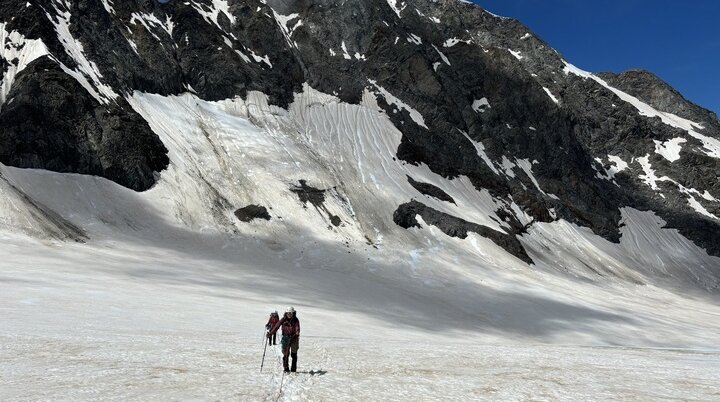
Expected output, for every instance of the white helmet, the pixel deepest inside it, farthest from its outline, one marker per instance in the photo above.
(290, 310)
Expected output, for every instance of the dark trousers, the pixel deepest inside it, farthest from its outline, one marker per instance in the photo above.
(290, 346)
(272, 339)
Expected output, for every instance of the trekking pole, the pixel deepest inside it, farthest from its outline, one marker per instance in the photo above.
(263, 358)
(281, 385)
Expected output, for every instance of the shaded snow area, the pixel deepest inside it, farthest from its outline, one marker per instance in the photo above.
(110, 294)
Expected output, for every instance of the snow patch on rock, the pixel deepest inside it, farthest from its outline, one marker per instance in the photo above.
(393, 100)
(480, 105)
(146, 20)
(442, 55)
(414, 39)
(669, 149)
(516, 54)
(480, 148)
(211, 13)
(18, 52)
(554, 99)
(397, 5)
(108, 4)
(85, 69)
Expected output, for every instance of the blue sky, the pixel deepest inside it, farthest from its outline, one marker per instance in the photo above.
(678, 40)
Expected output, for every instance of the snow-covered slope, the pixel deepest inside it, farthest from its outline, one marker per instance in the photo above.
(413, 187)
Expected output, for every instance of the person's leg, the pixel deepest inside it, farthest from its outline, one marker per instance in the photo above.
(286, 353)
(285, 342)
(294, 346)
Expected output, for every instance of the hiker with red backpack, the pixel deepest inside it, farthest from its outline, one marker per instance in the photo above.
(290, 340)
(274, 318)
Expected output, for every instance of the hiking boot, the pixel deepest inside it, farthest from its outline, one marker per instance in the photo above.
(285, 364)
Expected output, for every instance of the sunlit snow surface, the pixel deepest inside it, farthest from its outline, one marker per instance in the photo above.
(168, 294)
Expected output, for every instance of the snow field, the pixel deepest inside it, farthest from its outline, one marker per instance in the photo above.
(111, 321)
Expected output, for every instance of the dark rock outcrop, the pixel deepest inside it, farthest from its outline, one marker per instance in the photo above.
(252, 212)
(431, 190)
(53, 123)
(316, 197)
(405, 216)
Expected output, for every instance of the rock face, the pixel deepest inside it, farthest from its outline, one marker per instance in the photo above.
(315, 197)
(251, 212)
(52, 123)
(406, 216)
(473, 94)
(657, 93)
(431, 190)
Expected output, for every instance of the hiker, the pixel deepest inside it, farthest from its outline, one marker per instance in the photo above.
(290, 340)
(274, 318)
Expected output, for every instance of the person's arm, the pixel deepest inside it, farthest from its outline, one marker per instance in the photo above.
(297, 328)
(278, 325)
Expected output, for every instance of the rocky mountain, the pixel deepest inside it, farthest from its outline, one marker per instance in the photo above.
(358, 122)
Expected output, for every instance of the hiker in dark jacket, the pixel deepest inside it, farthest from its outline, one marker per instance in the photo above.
(290, 337)
(274, 318)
